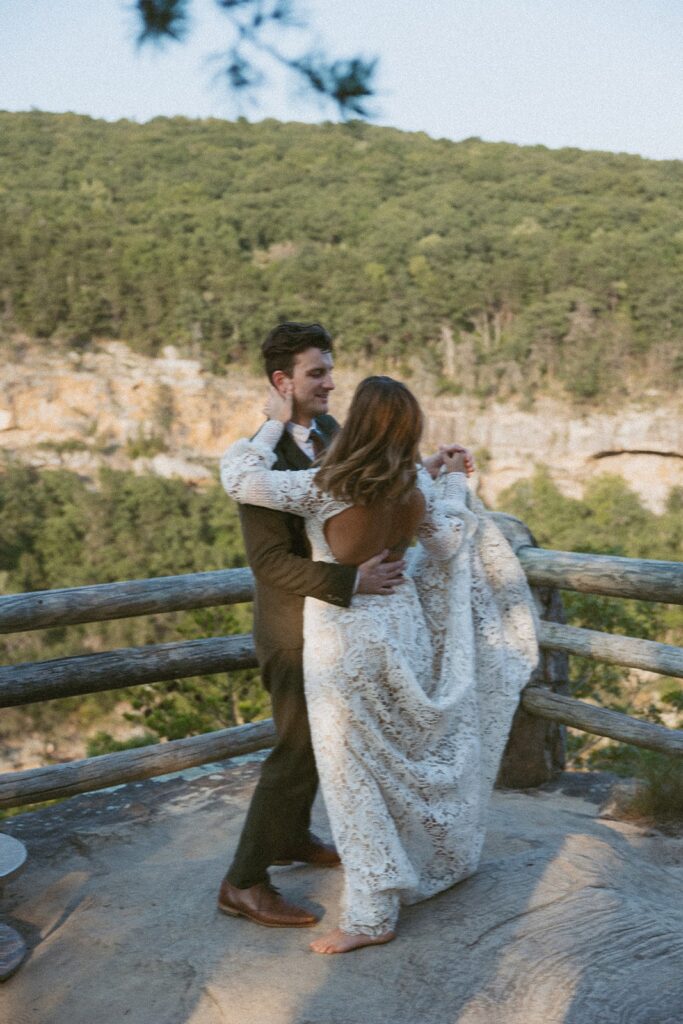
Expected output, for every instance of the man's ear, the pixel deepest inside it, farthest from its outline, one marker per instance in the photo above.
(278, 379)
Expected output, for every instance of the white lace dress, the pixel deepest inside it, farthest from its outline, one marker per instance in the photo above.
(410, 696)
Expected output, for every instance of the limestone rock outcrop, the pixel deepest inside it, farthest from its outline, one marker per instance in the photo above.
(171, 417)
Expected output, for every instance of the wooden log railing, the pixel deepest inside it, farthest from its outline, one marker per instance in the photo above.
(53, 781)
(129, 666)
(607, 575)
(27, 683)
(601, 721)
(69, 607)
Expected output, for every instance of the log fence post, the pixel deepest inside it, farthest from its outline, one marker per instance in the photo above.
(536, 748)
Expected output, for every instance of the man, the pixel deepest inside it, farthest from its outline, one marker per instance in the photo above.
(276, 830)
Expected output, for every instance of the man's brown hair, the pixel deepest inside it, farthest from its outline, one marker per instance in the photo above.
(288, 339)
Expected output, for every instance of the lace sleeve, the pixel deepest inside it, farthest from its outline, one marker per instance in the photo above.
(247, 477)
(447, 520)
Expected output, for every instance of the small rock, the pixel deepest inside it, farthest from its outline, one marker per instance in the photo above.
(620, 798)
(6, 419)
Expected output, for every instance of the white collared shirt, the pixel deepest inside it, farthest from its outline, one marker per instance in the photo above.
(302, 437)
(270, 433)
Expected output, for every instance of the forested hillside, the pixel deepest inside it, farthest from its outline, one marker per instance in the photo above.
(505, 270)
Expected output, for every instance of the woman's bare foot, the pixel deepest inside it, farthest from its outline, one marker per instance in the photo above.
(343, 942)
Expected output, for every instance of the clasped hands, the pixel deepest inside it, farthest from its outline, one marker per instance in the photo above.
(451, 457)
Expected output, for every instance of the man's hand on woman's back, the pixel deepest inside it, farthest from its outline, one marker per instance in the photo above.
(377, 576)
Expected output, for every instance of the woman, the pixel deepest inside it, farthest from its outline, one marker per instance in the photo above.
(410, 696)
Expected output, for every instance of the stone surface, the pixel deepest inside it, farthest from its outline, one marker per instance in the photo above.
(570, 919)
(81, 410)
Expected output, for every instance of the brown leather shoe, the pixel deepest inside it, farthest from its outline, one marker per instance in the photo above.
(312, 851)
(263, 904)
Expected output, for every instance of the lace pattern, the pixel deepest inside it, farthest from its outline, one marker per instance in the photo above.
(410, 696)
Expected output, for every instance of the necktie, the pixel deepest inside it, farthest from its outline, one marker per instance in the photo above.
(317, 442)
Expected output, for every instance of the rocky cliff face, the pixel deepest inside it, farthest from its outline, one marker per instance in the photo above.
(169, 416)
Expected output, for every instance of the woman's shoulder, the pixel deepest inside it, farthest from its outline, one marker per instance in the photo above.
(415, 500)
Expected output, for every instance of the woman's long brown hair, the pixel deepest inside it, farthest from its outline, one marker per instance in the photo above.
(373, 457)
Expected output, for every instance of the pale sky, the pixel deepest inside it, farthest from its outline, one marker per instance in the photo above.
(597, 74)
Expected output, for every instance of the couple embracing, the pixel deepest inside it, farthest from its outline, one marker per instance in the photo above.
(395, 631)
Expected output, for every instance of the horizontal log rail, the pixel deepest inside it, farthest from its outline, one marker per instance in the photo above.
(601, 721)
(59, 780)
(132, 666)
(103, 601)
(62, 780)
(665, 659)
(127, 666)
(607, 575)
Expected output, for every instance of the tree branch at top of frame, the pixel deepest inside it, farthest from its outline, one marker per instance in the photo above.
(346, 82)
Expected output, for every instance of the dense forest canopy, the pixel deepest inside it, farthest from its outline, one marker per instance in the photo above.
(503, 269)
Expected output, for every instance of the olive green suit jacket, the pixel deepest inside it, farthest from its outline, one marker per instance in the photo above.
(279, 555)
